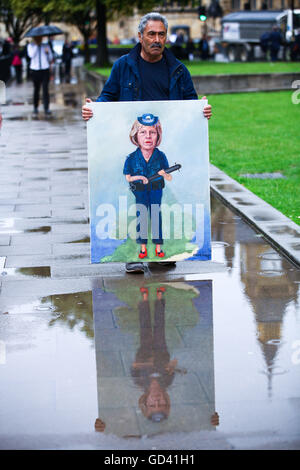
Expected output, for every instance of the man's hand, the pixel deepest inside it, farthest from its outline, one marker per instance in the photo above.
(86, 112)
(207, 111)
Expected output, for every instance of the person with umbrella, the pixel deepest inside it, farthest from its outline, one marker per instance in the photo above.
(41, 57)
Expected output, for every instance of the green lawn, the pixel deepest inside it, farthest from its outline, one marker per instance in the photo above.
(259, 133)
(215, 68)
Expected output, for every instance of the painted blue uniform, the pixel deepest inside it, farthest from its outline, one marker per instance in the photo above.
(149, 195)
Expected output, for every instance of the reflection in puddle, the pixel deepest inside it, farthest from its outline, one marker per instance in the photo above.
(44, 308)
(155, 371)
(270, 273)
(218, 244)
(73, 311)
(271, 255)
(34, 272)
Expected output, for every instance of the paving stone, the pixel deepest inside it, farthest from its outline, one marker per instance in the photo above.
(71, 212)
(263, 176)
(4, 240)
(44, 287)
(32, 211)
(38, 248)
(88, 270)
(46, 260)
(47, 237)
(74, 249)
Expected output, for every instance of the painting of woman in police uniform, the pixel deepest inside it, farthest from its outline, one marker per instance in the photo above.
(148, 182)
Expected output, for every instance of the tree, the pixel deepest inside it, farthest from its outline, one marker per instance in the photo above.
(88, 15)
(17, 21)
(106, 9)
(81, 14)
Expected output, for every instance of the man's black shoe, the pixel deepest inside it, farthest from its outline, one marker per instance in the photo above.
(135, 268)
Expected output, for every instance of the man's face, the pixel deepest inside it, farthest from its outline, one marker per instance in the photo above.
(153, 41)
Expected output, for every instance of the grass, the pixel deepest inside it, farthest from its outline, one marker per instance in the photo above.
(259, 133)
(217, 68)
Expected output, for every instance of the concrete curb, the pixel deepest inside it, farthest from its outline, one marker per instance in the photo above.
(278, 229)
(217, 84)
(241, 83)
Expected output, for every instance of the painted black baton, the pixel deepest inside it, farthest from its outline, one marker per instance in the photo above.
(177, 166)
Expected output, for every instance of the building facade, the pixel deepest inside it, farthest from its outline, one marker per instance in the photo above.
(123, 28)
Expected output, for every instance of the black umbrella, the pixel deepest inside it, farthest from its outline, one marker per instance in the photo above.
(45, 30)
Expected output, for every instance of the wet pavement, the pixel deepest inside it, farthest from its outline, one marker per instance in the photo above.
(202, 356)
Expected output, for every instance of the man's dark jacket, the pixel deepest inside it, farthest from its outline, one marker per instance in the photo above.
(124, 83)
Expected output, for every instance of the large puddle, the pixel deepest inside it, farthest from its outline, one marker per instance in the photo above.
(207, 361)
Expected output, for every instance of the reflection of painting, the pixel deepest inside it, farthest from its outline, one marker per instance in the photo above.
(149, 183)
(154, 356)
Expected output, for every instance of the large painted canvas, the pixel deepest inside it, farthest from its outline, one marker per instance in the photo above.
(149, 181)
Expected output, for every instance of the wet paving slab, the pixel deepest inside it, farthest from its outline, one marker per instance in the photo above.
(204, 355)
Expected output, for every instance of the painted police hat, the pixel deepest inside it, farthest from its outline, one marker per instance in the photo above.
(148, 119)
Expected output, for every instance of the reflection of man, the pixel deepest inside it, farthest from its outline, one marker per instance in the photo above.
(161, 381)
(148, 73)
(67, 56)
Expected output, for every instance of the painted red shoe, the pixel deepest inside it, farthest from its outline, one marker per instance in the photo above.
(160, 253)
(143, 254)
(144, 290)
(161, 289)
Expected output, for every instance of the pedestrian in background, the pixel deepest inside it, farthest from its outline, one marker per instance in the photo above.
(67, 56)
(190, 49)
(17, 63)
(27, 58)
(275, 43)
(41, 58)
(295, 46)
(265, 43)
(204, 48)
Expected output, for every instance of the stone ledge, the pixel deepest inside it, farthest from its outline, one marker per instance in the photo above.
(217, 84)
